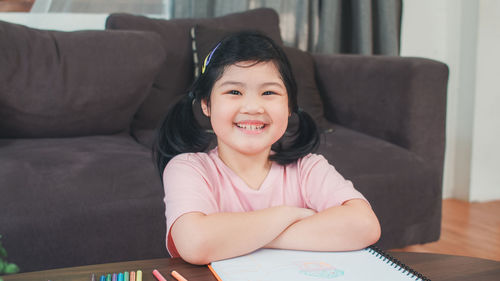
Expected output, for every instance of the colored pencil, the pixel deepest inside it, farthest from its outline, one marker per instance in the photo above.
(177, 276)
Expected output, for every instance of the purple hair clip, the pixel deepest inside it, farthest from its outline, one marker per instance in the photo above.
(208, 58)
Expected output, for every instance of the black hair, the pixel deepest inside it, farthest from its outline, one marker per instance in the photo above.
(180, 132)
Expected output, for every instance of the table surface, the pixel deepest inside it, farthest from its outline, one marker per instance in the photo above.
(437, 267)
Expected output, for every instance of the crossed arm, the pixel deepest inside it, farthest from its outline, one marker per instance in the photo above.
(201, 239)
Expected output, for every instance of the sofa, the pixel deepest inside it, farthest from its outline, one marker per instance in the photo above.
(78, 113)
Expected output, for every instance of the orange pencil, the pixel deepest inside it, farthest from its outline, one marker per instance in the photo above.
(178, 276)
(214, 273)
(132, 275)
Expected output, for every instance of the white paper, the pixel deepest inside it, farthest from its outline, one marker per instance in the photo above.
(277, 265)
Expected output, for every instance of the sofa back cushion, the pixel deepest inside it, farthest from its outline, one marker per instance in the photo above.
(176, 74)
(65, 84)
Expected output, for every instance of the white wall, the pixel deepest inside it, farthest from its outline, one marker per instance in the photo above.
(57, 21)
(465, 35)
(485, 173)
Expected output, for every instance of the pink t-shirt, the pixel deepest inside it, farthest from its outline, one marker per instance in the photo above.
(201, 182)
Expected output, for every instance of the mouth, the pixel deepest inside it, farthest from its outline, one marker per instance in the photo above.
(251, 126)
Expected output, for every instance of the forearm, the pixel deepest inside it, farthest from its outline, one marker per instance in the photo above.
(201, 238)
(347, 227)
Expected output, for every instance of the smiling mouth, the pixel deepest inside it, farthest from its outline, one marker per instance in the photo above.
(250, 127)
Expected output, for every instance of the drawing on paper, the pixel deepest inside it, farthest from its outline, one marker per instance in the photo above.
(319, 269)
(255, 269)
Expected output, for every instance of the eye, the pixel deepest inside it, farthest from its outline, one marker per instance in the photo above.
(268, 93)
(234, 92)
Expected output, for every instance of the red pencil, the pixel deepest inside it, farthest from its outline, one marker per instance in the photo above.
(158, 275)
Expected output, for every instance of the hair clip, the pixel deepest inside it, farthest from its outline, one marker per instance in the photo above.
(208, 58)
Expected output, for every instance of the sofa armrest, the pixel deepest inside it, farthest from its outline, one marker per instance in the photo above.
(401, 100)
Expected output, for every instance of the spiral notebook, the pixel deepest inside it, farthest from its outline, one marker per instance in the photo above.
(276, 265)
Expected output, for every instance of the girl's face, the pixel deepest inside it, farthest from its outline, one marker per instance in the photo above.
(248, 108)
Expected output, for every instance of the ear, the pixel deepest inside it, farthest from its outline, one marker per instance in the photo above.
(204, 107)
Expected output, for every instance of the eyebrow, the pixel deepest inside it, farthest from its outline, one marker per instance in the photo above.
(235, 83)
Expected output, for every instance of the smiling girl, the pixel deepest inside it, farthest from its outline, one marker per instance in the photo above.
(261, 186)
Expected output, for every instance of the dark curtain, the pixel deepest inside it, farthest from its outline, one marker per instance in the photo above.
(359, 26)
(321, 26)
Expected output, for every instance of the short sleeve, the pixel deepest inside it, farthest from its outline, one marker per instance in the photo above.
(186, 189)
(322, 186)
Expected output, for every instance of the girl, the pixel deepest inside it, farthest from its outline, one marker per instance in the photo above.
(260, 186)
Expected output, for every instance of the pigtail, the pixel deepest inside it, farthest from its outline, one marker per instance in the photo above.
(303, 141)
(179, 133)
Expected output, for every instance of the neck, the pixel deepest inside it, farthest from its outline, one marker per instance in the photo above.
(251, 168)
(244, 162)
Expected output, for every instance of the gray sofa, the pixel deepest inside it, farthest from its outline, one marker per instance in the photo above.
(78, 112)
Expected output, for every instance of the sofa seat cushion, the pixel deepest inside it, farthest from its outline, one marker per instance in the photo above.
(77, 201)
(393, 179)
(65, 84)
(177, 73)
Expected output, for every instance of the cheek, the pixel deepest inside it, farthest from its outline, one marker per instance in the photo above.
(280, 116)
(221, 114)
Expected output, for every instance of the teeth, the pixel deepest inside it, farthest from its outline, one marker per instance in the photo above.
(250, 127)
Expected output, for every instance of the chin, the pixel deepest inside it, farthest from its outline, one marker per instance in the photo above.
(252, 150)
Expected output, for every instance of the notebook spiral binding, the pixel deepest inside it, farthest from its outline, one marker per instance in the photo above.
(394, 262)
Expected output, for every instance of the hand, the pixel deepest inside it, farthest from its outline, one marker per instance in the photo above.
(348, 227)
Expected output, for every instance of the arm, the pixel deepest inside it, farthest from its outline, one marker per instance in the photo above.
(351, 226)
(201, 238)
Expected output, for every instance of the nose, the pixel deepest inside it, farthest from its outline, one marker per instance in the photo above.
(252, 104)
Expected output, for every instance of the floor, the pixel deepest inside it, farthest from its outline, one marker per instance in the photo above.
(468, 229)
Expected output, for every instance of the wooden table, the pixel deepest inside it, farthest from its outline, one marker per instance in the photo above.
(437, 267)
